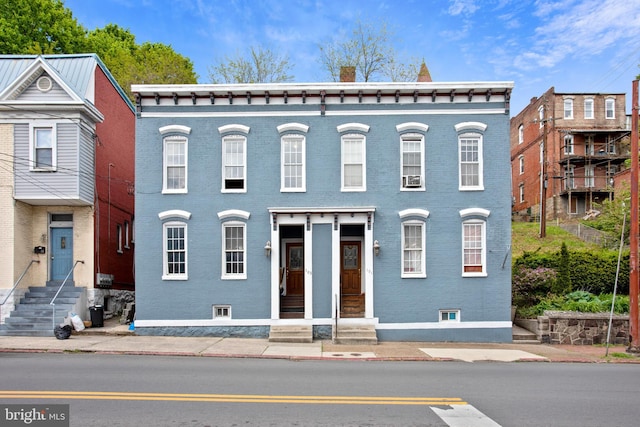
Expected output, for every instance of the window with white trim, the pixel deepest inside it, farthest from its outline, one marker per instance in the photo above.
(175, 164)
(520, 134)
(449, 315)
(568, 108)
(589, 176)
(234, 160)
(470, 158)
(521, 164)
(412, 158)
(541, 116)
(119, 234)
(589, 145)
(234, 250)
(568, 144)
(610, 108)
(413, 249)
(126, 235)
(569, 174)
(353, 162)
(474, 248)
(588, 108)
(43, 153)
(174, 253)
(521, 190)
(222, 312)
(293, 171)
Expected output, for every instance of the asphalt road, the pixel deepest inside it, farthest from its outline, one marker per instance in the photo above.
(117, 390)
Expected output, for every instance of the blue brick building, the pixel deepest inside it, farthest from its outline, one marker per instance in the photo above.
(385, 205)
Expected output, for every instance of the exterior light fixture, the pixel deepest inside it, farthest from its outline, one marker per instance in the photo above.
(376, 247)
(267, 249)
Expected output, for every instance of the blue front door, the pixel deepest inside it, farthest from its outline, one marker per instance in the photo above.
(61, 249)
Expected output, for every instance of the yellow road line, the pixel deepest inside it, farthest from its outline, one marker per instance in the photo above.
(239, 398)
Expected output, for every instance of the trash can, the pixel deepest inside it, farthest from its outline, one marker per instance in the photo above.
(97, 316)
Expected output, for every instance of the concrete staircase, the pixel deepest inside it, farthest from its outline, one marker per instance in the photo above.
(33, 314)
(291, 333)
(356, 334)
(522, 336)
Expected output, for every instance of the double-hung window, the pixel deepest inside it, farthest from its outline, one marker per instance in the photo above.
(353, 163)
(610, 108)
(293, 176)
(568, 144)
(474, 242)
(520, 134)
(568, 108)
(234, 244)
(43, 147)
(175, 164)
(413, 249)
(413, 239)
(175, 251)
(470, 157)
(474, 250)
(588, 108)
(412, 146)
(234, 160)
(470, 152)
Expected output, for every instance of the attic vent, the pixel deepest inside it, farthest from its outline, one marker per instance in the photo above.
(44, 84)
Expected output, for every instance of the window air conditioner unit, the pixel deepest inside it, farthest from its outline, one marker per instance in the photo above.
(412, 180)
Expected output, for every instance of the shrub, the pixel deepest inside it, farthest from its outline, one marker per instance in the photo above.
(531, 285)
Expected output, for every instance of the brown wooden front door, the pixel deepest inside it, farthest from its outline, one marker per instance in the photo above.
(295, 269)
(351, 296)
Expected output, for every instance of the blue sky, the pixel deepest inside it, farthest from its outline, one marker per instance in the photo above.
(573, 45)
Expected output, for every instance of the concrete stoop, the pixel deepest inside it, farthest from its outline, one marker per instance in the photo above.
(356, 335)
(523, 336)
(291, 333)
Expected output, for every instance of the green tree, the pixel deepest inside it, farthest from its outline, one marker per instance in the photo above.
(259, 65)
(370, 49)
(563, 282)
(39, 27)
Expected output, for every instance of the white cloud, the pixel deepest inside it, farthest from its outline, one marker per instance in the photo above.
(571, 29)
(463, 7)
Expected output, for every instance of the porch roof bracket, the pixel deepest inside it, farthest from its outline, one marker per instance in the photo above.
(274, 220)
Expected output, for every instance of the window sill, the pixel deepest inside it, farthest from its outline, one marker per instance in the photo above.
(413, 276)
(165, 191)
(174, 277)
(235, 277)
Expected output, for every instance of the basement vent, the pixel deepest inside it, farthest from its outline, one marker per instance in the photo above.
(44, 84)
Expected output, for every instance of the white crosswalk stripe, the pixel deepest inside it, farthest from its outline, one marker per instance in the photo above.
(463, 416)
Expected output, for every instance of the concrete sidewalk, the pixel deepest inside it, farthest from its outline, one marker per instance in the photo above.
(114, 338)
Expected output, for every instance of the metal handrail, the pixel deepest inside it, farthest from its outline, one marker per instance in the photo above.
(16, 285)
(52, 303)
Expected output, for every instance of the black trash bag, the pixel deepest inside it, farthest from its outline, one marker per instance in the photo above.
(62, 332)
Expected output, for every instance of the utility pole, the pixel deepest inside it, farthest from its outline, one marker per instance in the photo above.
(543, 174)
(634, 325)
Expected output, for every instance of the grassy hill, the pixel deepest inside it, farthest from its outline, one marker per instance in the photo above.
(525, 237)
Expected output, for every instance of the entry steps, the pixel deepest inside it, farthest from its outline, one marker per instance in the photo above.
(522, 336)
(346, 334)
(354, 334)
(33, 314)
(291, 333)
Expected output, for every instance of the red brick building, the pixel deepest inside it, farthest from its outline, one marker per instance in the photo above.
(569, 147)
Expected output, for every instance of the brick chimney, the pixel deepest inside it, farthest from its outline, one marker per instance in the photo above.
(348, 74)
(423, 75)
